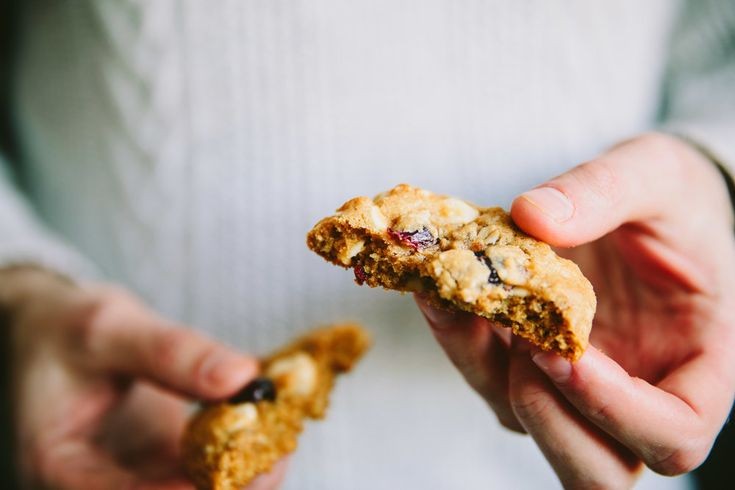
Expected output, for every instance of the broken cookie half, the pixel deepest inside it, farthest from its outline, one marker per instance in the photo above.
(228, 443)
(462, 256)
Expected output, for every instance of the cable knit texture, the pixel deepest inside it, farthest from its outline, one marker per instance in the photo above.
(185, 147)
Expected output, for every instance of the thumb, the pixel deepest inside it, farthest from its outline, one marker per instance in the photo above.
(638, 180)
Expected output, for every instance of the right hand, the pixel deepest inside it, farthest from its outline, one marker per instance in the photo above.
(101, 384)
(651, 224)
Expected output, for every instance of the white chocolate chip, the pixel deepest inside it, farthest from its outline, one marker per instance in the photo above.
(458, 272)
(414, 221)
(246, 415)
(456, 212)
(510, 263)
(378, 218)
(295, 374)
(352, 248)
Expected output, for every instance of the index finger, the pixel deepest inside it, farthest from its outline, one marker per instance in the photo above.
(125, 337)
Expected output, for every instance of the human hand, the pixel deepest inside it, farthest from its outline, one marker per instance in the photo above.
(101, 383)
(652, 225)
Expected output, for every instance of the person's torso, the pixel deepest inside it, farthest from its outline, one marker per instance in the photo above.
(186, 147)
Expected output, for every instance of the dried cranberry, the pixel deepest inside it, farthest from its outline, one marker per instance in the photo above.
(360, 274)
(493, 278)
(257, 390)
(415, 239)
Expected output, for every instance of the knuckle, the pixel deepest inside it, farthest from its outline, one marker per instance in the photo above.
(115, 301)
(492, 388)
(115, 293)
(81, 321)
(470, 370)
(601, 178)
(660, 144)
(476, 375)
(201, 367)
(167, 348)
(504, 413)
(101, 308)
(84, 327)
(510, 422)
(653, 138)
(531, 406)
(600, 412)
(668, 149)
(681, 460)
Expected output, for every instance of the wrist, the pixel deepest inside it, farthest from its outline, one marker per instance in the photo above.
(19, 285)
(725, 175)
(22, 286)
(722, 178)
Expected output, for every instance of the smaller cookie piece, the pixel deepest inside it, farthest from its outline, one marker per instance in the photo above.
(229, 443)
(461, 256)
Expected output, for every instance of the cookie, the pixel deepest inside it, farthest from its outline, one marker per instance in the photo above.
(461, 256)
(228, 443)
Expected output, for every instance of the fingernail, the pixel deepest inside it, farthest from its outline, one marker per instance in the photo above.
(555, 367)
(551, 202)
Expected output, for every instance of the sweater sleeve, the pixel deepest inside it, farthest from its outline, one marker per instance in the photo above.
(699, 92)
(25, 239)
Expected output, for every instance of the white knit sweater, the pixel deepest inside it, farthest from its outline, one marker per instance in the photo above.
(184, 148)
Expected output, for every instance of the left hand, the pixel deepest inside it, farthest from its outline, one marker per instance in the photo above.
(102, 383)
(653, 230)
